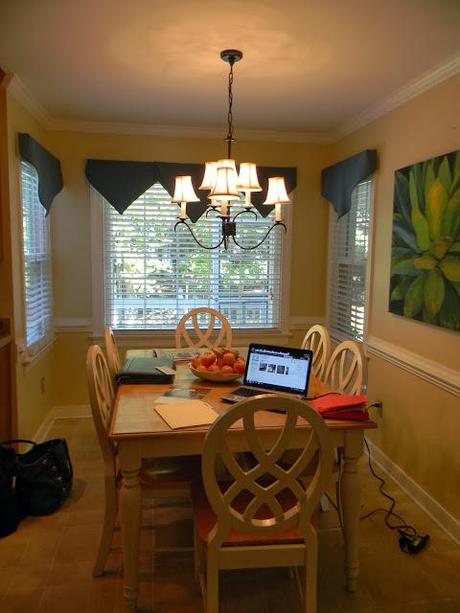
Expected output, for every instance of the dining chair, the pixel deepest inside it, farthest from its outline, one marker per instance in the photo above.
(263, 515)
(344, 372)
(198, 336)
(319, 341)
(111, 349)
(161, 480)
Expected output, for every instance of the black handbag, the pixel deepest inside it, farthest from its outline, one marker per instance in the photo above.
(10, 513)
(43, 476)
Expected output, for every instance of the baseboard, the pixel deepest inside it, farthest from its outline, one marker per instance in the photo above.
(425, 501)
(60, 412)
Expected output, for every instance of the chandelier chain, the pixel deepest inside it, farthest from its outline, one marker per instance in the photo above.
(229, 137)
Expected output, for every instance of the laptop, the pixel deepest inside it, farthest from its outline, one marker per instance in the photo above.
(273, 369)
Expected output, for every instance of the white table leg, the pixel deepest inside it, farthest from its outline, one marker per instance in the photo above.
(130, 520)
(351, 505)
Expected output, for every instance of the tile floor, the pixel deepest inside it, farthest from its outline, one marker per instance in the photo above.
(45, 567)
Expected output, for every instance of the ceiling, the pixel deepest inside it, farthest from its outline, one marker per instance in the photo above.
(308, 66)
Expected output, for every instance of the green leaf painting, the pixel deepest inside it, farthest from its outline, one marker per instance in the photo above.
(425, 258)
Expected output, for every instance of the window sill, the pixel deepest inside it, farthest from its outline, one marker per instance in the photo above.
(166, 338)
(29, 361)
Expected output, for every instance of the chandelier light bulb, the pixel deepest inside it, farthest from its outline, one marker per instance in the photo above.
(209, 178)
(226, 184)
(183, 193)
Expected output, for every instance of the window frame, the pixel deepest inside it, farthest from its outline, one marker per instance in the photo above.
(166, 337)
(336, 334)
(30, 352)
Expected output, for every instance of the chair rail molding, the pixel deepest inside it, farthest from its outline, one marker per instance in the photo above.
(444, 377)
(301, 322)
(72, 324)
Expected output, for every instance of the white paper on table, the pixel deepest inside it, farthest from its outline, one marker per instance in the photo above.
(186, 414)
(170, 400)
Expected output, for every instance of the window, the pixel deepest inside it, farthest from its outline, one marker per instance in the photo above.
(348, 254)
(37, 263)
(154, 275)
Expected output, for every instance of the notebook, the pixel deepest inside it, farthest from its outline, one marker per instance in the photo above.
(341, 406)
(273, 369)
(186, 413)
(144, 370)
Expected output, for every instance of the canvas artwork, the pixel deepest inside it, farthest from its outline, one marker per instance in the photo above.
(425, 254)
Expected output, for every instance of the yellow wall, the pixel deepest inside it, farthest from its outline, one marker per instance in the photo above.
(71, 222)
(420, 422)
(6, 281)
(72, 266)
(34, 383)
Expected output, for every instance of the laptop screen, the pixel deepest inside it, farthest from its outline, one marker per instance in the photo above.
(283, 369)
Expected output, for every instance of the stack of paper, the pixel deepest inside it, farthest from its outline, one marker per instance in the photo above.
(341, 406)
(186, 413)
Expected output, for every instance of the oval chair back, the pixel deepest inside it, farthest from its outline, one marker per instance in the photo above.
(102, 399)
(344, 372)
(203, 332)
(113, 356)
(318, 340)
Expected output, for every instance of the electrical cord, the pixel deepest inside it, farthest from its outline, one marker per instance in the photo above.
(321, 395)
(410, 541)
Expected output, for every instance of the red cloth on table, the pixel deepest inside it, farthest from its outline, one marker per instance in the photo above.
(341, 406)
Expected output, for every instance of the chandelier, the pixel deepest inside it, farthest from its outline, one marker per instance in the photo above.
(226, 185)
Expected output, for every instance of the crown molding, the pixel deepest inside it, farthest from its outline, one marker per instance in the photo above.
(24, 96)
(421, 84)
(95, 127)
(414, 88)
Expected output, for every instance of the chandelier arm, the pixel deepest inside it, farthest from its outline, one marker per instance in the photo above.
(197, 241)
(209, 210)
(244, 212)
(279, 223)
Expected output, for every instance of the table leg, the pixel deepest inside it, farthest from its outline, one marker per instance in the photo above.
(130, 521)
(350, 491)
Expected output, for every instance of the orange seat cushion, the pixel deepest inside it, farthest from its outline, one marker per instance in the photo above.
(205, 520)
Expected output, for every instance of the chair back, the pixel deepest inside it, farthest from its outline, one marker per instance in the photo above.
(266, 497)
(318, 340)
(111, 349)
(102, 399)
(204, 332)
(344, 372)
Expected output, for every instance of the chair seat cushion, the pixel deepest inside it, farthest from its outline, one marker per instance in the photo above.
(205, 520)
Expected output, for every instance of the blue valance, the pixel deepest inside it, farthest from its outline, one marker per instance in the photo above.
(47, 166)
(339, 180)
(121, 183)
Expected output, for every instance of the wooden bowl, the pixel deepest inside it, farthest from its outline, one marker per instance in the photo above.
(215, 376)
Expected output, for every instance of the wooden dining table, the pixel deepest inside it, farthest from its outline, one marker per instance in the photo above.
(141, 433)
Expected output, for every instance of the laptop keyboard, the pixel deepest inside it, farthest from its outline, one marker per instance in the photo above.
(247, 391)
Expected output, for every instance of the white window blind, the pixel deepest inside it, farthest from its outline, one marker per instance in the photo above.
(37, 263)
(348, 253)
(154, 275)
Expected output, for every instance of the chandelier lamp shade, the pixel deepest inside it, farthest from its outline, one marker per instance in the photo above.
(227, 185)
